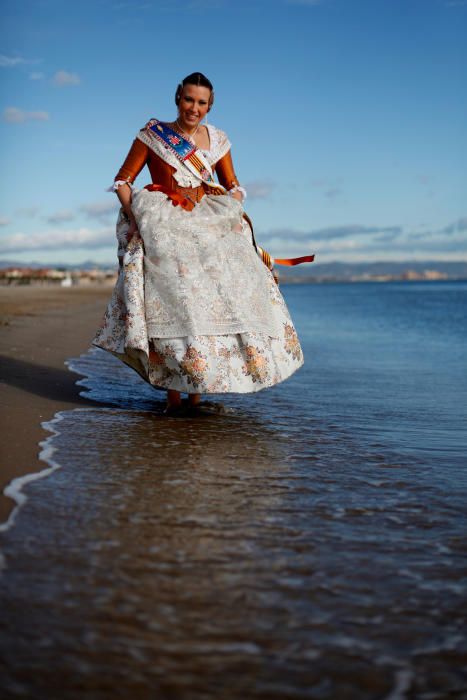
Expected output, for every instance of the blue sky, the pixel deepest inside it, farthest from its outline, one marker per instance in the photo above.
(347, 119)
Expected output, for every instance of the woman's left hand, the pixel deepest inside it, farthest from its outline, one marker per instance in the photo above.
(237, 195)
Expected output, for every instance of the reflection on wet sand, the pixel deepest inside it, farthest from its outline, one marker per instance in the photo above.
(195, 559)
(147, 545)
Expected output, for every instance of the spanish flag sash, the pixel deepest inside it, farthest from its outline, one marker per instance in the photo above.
(186, 152)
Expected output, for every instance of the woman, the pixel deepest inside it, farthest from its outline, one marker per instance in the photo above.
(194, 308)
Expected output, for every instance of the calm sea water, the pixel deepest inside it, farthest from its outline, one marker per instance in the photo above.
(310, 543)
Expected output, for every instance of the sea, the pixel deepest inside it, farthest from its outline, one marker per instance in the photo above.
(308, 542)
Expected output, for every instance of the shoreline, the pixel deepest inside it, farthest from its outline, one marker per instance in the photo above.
(42, 328)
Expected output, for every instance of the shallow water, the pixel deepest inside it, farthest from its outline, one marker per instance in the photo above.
(310, 543)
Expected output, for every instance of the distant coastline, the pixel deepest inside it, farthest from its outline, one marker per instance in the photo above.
(408, 275)
(379, 271)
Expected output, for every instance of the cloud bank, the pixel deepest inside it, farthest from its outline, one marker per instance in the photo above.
(100, 210)
(346, 242)
(357, 241)
(12, 61)
(60, 217)
(64, 240)
(14, 115)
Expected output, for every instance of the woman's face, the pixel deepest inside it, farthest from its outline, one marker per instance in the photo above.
(194, 105)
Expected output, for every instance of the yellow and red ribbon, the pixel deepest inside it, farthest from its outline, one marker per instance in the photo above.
(269, 261)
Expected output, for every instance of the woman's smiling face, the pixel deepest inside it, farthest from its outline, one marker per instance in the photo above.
(193, 106)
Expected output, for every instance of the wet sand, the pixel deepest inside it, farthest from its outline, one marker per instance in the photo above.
(41, 328)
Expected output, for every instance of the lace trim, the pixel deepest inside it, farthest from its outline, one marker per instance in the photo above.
(220, 144)
(240, 189)
(119, 183)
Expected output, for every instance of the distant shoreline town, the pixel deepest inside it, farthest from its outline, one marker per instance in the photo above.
(93, 274)
(51, 276)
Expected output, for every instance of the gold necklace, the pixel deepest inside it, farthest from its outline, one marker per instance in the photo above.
(185, 133)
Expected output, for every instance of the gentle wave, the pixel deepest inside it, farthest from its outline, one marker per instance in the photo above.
(15, 489)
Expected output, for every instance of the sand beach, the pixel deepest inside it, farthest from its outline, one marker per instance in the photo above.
(41, 327)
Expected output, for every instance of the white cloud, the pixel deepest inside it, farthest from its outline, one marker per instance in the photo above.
(13, 61)
(59, 240)
(99, 210)
(4, 221)
(259, 189)
(61, 216)
(63, 78)
(10, 61)
(36, 76)
(332, 232)
(408, 244)
(14, 115)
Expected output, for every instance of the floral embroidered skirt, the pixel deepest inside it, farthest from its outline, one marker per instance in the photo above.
(144, 300)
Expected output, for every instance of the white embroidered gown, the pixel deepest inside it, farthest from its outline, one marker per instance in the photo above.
(194, 308)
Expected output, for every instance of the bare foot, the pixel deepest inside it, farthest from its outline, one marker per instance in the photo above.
(174, 401)
(194, 399)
